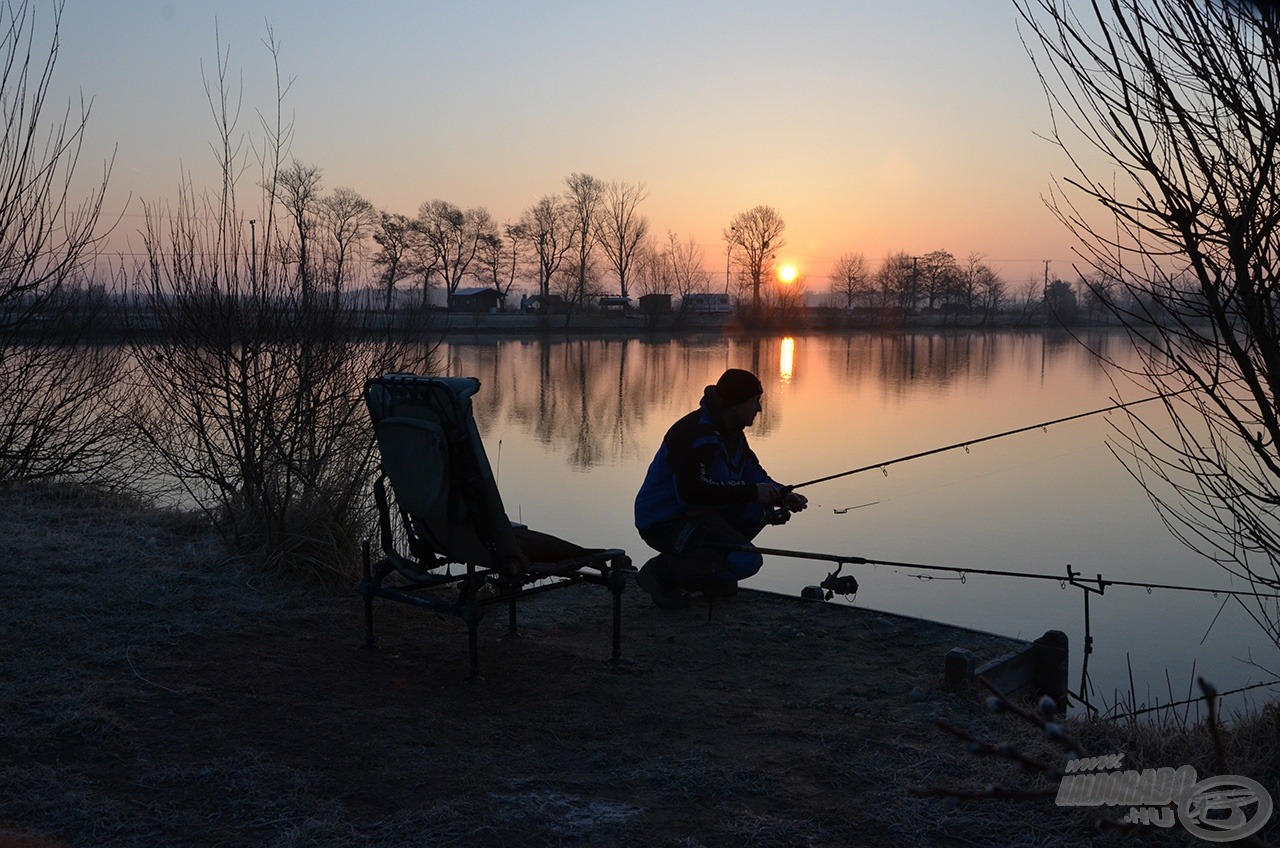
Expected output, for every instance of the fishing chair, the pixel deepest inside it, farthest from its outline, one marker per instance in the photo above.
(442, 512)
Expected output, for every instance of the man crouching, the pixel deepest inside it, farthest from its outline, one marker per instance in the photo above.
(705, 494)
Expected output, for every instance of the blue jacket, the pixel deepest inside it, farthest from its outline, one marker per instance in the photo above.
(701, 465)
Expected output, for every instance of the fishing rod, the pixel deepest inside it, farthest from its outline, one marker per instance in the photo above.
(1097, 584)
(970, 442)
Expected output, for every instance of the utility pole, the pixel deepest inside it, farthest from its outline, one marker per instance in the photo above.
(728, 251)
(915, 282)
(1046, 292)
(253, 254)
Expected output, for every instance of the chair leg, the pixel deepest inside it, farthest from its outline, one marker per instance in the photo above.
(617, 584)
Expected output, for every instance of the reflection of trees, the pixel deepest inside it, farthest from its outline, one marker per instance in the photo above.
(588, 398)
(903, 363)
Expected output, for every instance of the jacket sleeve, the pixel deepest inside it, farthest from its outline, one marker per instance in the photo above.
(696, 482)
(754, 472)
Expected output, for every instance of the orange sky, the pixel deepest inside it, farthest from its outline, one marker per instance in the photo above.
(871, 127)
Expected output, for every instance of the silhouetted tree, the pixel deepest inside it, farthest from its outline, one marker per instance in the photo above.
(623, 229)
(254, 384)
(851, 280)
(452, 238)
(298, 188)
(983, 289)
(683, 266)
(938, 275)
(546, 228)
(754, 238)
(896, 282)
(347, 220)
(584, 201)
(498, 259)
(394, 235)
(1181, 98)
(60, 400)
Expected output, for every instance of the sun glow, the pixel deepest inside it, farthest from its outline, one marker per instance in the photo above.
(787, 274)
(787, 359)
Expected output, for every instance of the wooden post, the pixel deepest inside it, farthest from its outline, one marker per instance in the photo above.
(1038, 669)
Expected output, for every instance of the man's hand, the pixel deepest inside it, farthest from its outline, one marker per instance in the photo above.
(768, 493)
(794, 502)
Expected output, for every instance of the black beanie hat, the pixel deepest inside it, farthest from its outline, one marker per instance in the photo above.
(736, 386)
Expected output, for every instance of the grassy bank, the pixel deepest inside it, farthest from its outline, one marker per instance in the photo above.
(156, 692)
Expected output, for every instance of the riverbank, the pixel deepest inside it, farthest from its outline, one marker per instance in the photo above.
(159, 693)
(111, 323)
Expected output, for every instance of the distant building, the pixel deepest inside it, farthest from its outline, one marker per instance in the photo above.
(552, 304)
(655, 304)
(705, 303)
(615, 303)
(476, 300)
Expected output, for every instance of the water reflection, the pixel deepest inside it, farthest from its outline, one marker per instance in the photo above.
(1035, 502)
(788, 355)
(589, 398)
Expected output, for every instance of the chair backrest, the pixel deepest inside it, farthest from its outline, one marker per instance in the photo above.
(436, 463)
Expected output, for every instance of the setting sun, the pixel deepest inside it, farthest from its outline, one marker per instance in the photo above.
(787, 274)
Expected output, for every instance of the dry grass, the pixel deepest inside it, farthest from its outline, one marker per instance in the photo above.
(103, 744)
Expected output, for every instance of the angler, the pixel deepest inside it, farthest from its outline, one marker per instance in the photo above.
(706, 496)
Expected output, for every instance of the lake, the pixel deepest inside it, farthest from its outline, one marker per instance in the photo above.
(571, 425)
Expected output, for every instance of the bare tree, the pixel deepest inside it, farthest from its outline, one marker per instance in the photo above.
(939, 277)
(895, 282)
(298, 186)
(1182, 100)
(754, 237)
(348, 219)
(584, 197)
(254, 385)
(1029, 301)
(979, 285)
(394, 235)
(623, 229)
(851, 280)
(786, 301)
(546, 227)
(60, 399)
(452, 238)
(984, 290)
(498, 260)
(649, 272)
(684, 266)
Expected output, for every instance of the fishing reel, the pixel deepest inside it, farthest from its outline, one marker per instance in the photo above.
(833, 584)
(777, 515)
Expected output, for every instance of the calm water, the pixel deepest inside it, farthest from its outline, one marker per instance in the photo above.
(571, 426)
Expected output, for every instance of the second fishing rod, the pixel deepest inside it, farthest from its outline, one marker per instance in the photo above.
(970, 442)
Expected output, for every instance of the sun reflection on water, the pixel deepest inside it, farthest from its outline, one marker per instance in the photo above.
(787, 359)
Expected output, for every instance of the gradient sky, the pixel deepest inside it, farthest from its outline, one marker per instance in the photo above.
(870, 126)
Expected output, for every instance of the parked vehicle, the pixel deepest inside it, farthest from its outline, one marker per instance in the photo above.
(707, 304)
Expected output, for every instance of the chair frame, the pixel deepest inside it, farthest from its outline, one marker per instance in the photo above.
(479, 585)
